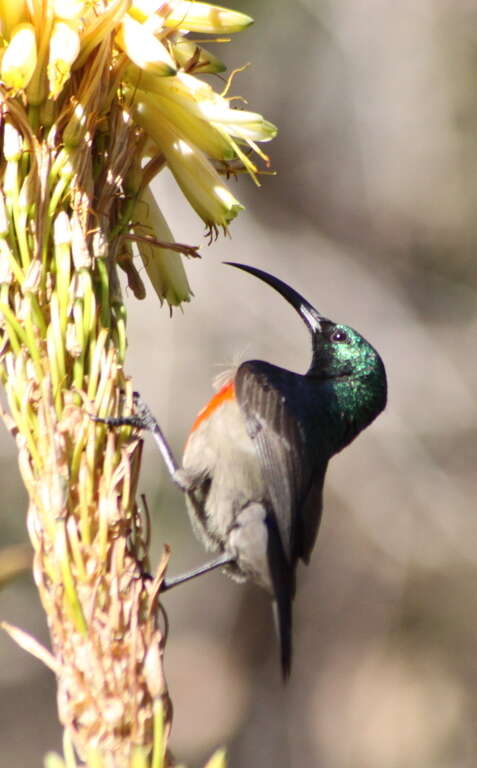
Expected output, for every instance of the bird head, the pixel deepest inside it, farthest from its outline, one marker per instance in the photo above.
(338, 351)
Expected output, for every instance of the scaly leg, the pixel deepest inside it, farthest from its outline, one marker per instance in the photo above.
(175, 580)
(144, 419)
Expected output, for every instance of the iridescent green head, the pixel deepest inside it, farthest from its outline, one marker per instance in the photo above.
(340, 352)
(355, 373)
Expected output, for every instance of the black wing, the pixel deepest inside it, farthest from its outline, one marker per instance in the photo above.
(276, 406)
(266, 394)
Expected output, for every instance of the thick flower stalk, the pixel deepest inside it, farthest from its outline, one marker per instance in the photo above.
(96, 99)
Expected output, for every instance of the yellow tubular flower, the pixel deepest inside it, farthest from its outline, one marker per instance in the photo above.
(163, 265)
(64, 48)
(143, 48)
(68, 10)
(205, 18)
(184, 89)
(199, 115)
(198, 180)
(20, 58)
(150, 110)
(199, 98)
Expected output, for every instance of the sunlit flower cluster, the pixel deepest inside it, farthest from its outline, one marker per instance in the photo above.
(154, 48)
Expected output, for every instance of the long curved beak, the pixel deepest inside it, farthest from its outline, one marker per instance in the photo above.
(310, 316)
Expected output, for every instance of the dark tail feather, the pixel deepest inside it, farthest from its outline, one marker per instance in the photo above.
(282, 608)
(283, 580)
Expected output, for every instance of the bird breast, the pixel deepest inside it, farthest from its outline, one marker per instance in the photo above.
(227, 503)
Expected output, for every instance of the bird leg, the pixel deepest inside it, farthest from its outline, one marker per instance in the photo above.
(144, 419)
(175, 580)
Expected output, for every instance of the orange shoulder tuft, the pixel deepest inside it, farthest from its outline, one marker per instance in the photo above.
(226, 392)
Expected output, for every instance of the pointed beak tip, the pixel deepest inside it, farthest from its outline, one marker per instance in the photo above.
(310, 316)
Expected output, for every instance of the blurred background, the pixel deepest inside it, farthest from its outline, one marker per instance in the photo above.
(373, 217)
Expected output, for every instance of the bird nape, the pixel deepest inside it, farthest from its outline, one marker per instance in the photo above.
(255, 460)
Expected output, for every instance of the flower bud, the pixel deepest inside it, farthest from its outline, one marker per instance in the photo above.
(163, 265)
(68, 10)
(143, 48)
(20, 58)
(64, 48)
(198, 180)
(193, 58)
(206, 18)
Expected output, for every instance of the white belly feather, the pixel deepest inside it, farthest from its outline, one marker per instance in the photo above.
(227, 508)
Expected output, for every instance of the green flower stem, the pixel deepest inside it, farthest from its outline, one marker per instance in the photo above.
(158, 747)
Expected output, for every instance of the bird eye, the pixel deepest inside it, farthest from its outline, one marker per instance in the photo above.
(339, 335)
